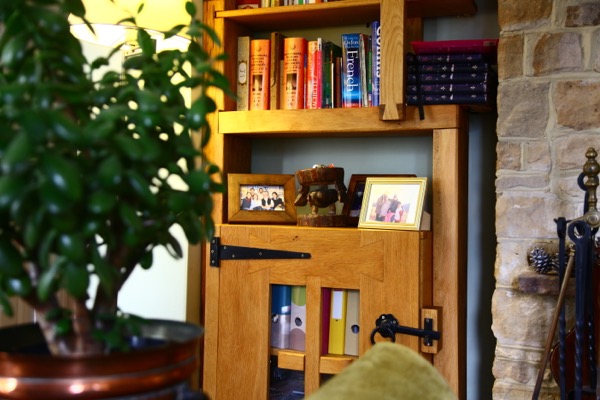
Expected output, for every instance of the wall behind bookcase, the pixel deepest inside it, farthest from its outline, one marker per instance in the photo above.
(413, 155)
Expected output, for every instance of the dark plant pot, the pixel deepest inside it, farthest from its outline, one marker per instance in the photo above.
(160, 370)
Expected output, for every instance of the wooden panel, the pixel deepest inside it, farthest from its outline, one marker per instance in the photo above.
(386, 266)
(449, 250)
(341, 122)
(339, 13)
(290, 359)
(393, 18)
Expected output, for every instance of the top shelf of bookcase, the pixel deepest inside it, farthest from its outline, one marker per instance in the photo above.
(338, 13)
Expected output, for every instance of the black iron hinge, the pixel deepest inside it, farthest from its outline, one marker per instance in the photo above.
(220, 252)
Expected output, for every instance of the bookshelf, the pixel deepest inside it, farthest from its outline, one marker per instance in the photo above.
(429, 270)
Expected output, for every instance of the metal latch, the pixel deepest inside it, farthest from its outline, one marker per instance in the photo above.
(387, 326)
(220, 252)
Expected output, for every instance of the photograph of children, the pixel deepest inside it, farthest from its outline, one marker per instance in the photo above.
(262, 198)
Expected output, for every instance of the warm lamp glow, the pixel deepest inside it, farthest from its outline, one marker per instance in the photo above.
(157, 15)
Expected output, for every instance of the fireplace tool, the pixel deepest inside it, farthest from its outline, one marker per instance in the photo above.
(573, 358)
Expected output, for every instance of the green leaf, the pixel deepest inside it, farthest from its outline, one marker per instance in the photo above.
(76, 280)
(110, 172)
(63, 175)
(65, 128)
(20, 286)
(5, 303)
(107, 274)
(17, 153)
(11, 262)
(146, 260)
(198, 182)
(190, 8)
(130, 217)
(197, 113)
(147, 44)
(32, 228)
(11, 187)
(72, 246)
(48, 280)
(101, 202)
(141, 187)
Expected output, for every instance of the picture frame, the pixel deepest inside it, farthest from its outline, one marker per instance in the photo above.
(356, 189)
(280, 189)
(379, 211)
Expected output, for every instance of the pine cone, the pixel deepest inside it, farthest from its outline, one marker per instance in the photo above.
(541, 261)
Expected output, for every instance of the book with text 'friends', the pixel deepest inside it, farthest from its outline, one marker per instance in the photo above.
(294, 54)
(353, 78)
(314, 74)
(243, 66)
(260, 62)
(298, 318)
(337, 322)
(281, 307)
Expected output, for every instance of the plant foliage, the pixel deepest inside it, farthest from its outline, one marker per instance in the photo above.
(86, 164)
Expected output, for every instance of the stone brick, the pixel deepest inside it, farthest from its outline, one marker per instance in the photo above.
(522, 109)
(595, 57)
(538, 156)
(587, 14)
(518, 14)
(535, 314)
(508, 156)
(558, 52)
(510, 56)
(509, 391)
(522, 215)
(523, 181)
(570, 149)
(511, 261)
(577, 104)
(515, 371)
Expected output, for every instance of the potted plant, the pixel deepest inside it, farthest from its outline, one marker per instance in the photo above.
(84, 166)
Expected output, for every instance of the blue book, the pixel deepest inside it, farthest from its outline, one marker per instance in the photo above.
(376, 60)
(446, 88)
(450, 77)
(447, 68)
(476, 98)
(449, 58)
(353, 70)
(281, 309)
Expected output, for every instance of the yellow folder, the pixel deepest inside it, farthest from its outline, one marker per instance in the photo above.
(337, 322)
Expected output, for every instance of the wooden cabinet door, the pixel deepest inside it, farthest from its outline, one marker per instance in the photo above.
(391, 269)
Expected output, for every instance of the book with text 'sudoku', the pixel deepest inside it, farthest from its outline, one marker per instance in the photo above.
(243, 66)
(354, 81)
(294, 53)
(314, 74)
(259, 74)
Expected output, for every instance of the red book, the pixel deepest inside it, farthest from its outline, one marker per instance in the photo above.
(325, 317)
(314, 74)
(294, 53)
(259, 74)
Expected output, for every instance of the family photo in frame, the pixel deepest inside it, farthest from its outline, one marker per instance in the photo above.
(393, 203)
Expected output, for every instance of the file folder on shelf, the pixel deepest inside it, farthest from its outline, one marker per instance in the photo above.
(281, 299)
(337, 322)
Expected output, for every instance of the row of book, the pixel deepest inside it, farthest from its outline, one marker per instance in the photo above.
(295, 73)
(244, 4)
(452, 72)
(339, 319)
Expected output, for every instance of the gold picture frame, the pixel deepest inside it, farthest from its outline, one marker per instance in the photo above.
(393, 203)
(276, 207)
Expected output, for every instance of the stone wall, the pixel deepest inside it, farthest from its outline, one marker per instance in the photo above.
(548, 116)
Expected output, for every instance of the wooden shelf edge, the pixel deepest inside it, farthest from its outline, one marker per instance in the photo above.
(338, 122)
(334, 364)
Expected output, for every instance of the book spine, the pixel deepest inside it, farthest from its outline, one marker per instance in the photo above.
(275, 70)
(314, 74)
(447, 68)
(363, 55)
(450, 58)
(294, 53)
(459, 77)
(281, 305)
(243, 59)
(376, 59)
(325, 316)
(351, 71)
(259, 74)
(298, 319)
(244, 4)
(337, 322)
(446, 88)
(330, 52)
(476, 98)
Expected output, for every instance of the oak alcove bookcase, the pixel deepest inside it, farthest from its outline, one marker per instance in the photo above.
(426, 269)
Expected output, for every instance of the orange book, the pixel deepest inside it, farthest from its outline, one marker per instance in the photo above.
(314, 74)
(260, 61)
(294, 53)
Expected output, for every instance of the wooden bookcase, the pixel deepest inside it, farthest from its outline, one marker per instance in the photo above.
(401, 273)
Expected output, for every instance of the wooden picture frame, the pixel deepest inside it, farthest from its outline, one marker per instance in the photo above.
(356, 189)
(277, 186)
(393, 203)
